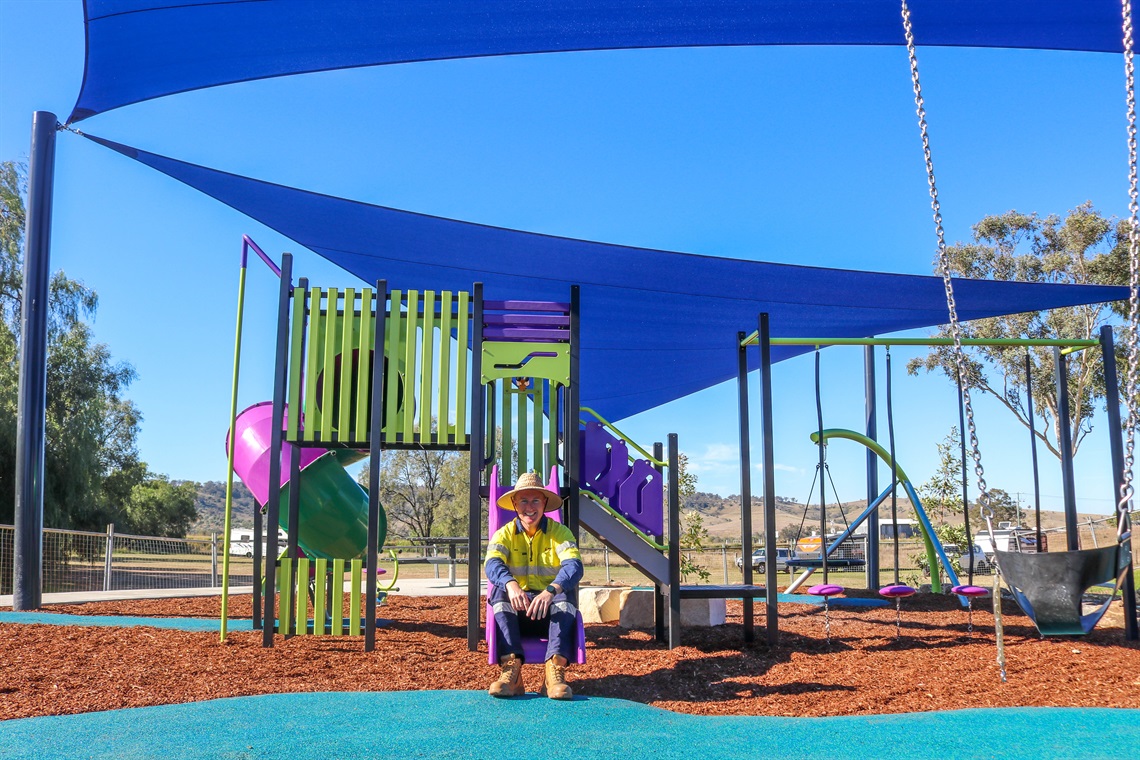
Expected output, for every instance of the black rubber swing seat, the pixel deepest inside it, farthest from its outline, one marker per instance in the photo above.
(1048, 587)
(818, 563)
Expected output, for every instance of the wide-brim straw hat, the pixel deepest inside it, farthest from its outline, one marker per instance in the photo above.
(530, 481)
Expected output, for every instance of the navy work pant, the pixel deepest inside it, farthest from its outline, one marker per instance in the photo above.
(560, 626)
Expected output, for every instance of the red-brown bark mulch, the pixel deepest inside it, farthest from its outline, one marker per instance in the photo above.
(54, 670)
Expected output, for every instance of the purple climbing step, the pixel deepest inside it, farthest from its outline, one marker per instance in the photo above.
(635, 492)
(641, 498)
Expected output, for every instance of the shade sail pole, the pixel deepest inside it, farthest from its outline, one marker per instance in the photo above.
(27, 586)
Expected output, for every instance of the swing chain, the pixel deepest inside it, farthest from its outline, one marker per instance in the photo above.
(944, 259)
(1133, 368)
(999, 625)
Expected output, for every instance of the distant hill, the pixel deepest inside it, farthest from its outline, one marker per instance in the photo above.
(722, 513)
(722, 518)
(212, 507)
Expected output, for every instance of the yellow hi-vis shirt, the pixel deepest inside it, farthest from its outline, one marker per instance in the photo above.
(533, 561)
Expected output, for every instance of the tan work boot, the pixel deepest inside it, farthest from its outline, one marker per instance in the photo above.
(556, 687)
(509, 683)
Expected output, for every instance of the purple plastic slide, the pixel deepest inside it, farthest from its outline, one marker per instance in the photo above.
(333, 506)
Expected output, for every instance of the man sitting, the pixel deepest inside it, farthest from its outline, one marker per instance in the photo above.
(533, 568)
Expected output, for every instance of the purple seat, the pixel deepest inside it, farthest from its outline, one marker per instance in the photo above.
(534, 649)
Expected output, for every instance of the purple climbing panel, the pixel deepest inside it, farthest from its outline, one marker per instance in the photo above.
(605, 461)
(634, 492)
(641, 498)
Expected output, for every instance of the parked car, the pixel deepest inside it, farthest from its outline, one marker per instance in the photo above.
(962, 559)
(760, 559)
(241, 542)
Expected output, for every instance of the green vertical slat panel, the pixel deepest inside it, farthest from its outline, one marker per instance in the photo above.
(445, 306)
(295, 364)
(320, 580)
(426, 354)
(364, 373)
(392, 351)
(536, 440)
(285, 595)
(410, 365)
(462, 382)
(313, 349)
(523, 442)
(354, 600)
(348, 321)
(302, 597)
(508, 431)
(336, 601)
(328, 388)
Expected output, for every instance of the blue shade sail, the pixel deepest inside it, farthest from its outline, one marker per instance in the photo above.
(655, 325)
(143, 49)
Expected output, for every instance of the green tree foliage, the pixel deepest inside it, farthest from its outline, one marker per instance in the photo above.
(943, 492)
(789, 534)
(211, 507)
(158, 507)
(693, 537)
(686, 481)
(1003, 505)
(1083, 248)
(424, 493)
(91, 465)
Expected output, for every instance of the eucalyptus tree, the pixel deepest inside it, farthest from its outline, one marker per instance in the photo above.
(1083, 248)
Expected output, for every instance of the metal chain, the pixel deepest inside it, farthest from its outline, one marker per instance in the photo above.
(1133, 368)
(999, 625)
(944, 261)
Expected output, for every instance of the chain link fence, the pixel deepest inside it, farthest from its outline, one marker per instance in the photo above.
(79, 561)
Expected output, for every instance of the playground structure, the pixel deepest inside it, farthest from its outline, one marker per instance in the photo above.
(1048, 587)
(360, 371)
(398, 360)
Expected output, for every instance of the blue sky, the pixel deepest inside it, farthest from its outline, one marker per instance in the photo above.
(803, 155)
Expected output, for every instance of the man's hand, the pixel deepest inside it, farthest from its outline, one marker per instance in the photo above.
(517, 597)
(539, 606)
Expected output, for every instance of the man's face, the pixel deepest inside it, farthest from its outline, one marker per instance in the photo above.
(530, 505)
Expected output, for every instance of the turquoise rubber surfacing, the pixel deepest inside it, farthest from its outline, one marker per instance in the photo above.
(181, 624)
(469, 724)
(124, 621)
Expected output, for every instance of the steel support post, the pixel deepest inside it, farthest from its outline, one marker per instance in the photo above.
(475, 502)
(27, 588)
(1116, 449)
(746, 488)
(768, 456)
(273, 503)
(1065, 445)
(870, 396)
